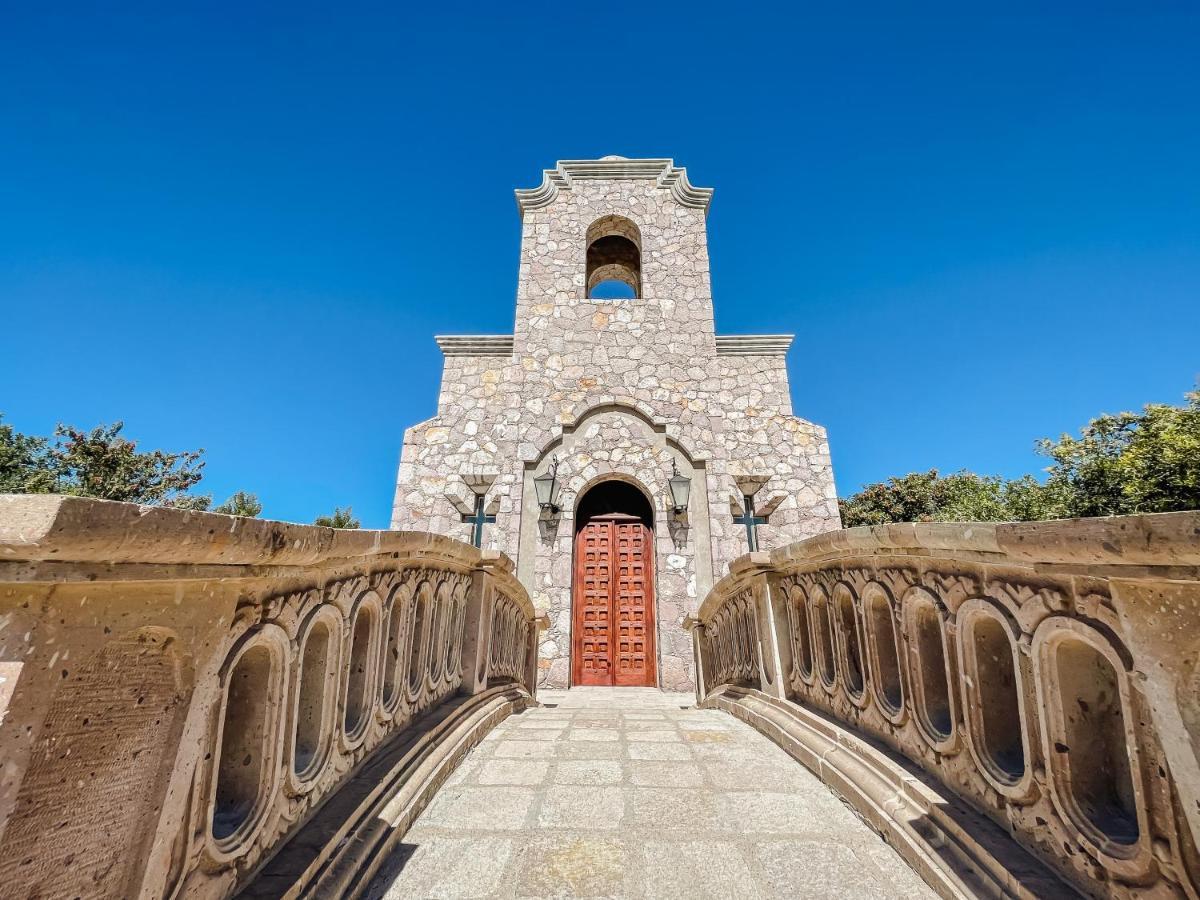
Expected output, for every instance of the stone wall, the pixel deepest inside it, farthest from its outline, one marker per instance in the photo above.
(622, 389)
(184, 691)
(1043, 673)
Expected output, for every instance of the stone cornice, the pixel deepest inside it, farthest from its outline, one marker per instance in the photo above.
(753, 344)
(614, 168)
(502, 344)
(475, 344)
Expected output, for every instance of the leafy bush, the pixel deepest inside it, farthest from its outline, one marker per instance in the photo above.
(1120, 464)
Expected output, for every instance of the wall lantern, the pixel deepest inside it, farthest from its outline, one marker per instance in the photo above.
(681, 489)
(546, 486)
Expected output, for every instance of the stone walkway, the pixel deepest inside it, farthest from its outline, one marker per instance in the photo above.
(632, 793)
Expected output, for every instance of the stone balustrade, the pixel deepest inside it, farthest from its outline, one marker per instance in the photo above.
(962, 685)
(197, 705)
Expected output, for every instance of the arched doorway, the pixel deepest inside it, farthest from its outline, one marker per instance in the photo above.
(612, 602)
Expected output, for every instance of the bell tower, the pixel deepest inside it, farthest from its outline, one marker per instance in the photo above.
(612, 386)
(636, 222)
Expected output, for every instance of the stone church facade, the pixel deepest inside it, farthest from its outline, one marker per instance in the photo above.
(613, 397)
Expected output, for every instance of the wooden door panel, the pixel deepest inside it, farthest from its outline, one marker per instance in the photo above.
(593, 607)
(614, 603)
(634, 663)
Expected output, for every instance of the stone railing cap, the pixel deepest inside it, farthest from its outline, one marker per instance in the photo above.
(1149, 540)
(49, 527)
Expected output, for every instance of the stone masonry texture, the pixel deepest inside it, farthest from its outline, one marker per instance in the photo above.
(616, 389)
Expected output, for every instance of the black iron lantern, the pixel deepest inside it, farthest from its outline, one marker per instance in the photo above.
(546, 486)
(681, 489)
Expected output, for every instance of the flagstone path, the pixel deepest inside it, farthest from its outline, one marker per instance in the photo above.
(631, 792)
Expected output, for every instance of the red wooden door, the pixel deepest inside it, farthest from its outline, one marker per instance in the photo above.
(613, 627)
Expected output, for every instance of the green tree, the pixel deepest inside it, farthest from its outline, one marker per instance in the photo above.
(1130, 462)
(241, 504)
(341, 518)
(196, 502)
(1120, 464)
(958, 497)
(927, 497)
(101, 463)
(1027, 500)
(25, 464)
(98, 463)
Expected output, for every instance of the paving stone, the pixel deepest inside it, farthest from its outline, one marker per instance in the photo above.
(513, 771)
(535, 734)
(634, 818)
(760, 811)
(524, 749)
(593, 734)
(671, 809)
(706, 724)
(572, 865)
(658, 751)
(629, 726)
(571, 806)
(467, 770)
(696, 869)
(589, 750)
(655, 773)
(709, 736)
(452, 868)
(755, 774)
(825, 869)
(483, 808)
(588, 771)
(717, 750)
(652, 737)
(903, 880)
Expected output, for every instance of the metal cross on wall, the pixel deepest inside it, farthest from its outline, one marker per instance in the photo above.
(751, 521)
(478, 519)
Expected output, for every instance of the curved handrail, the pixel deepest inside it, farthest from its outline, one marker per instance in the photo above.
(1043, 672)
(210, 683)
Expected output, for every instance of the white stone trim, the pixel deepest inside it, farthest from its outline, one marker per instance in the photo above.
(770, 505)
(461, 497)
(614, 168)
(753, 344)
(749, 483)
(475, 344)
(481, 480)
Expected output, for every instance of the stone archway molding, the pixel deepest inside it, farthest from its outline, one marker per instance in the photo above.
(607, 440)
(593, 406)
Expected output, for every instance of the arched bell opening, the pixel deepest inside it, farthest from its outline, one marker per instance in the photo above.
(614, 258)
(613, 623)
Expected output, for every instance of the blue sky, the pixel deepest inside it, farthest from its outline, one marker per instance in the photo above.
(238, 227)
